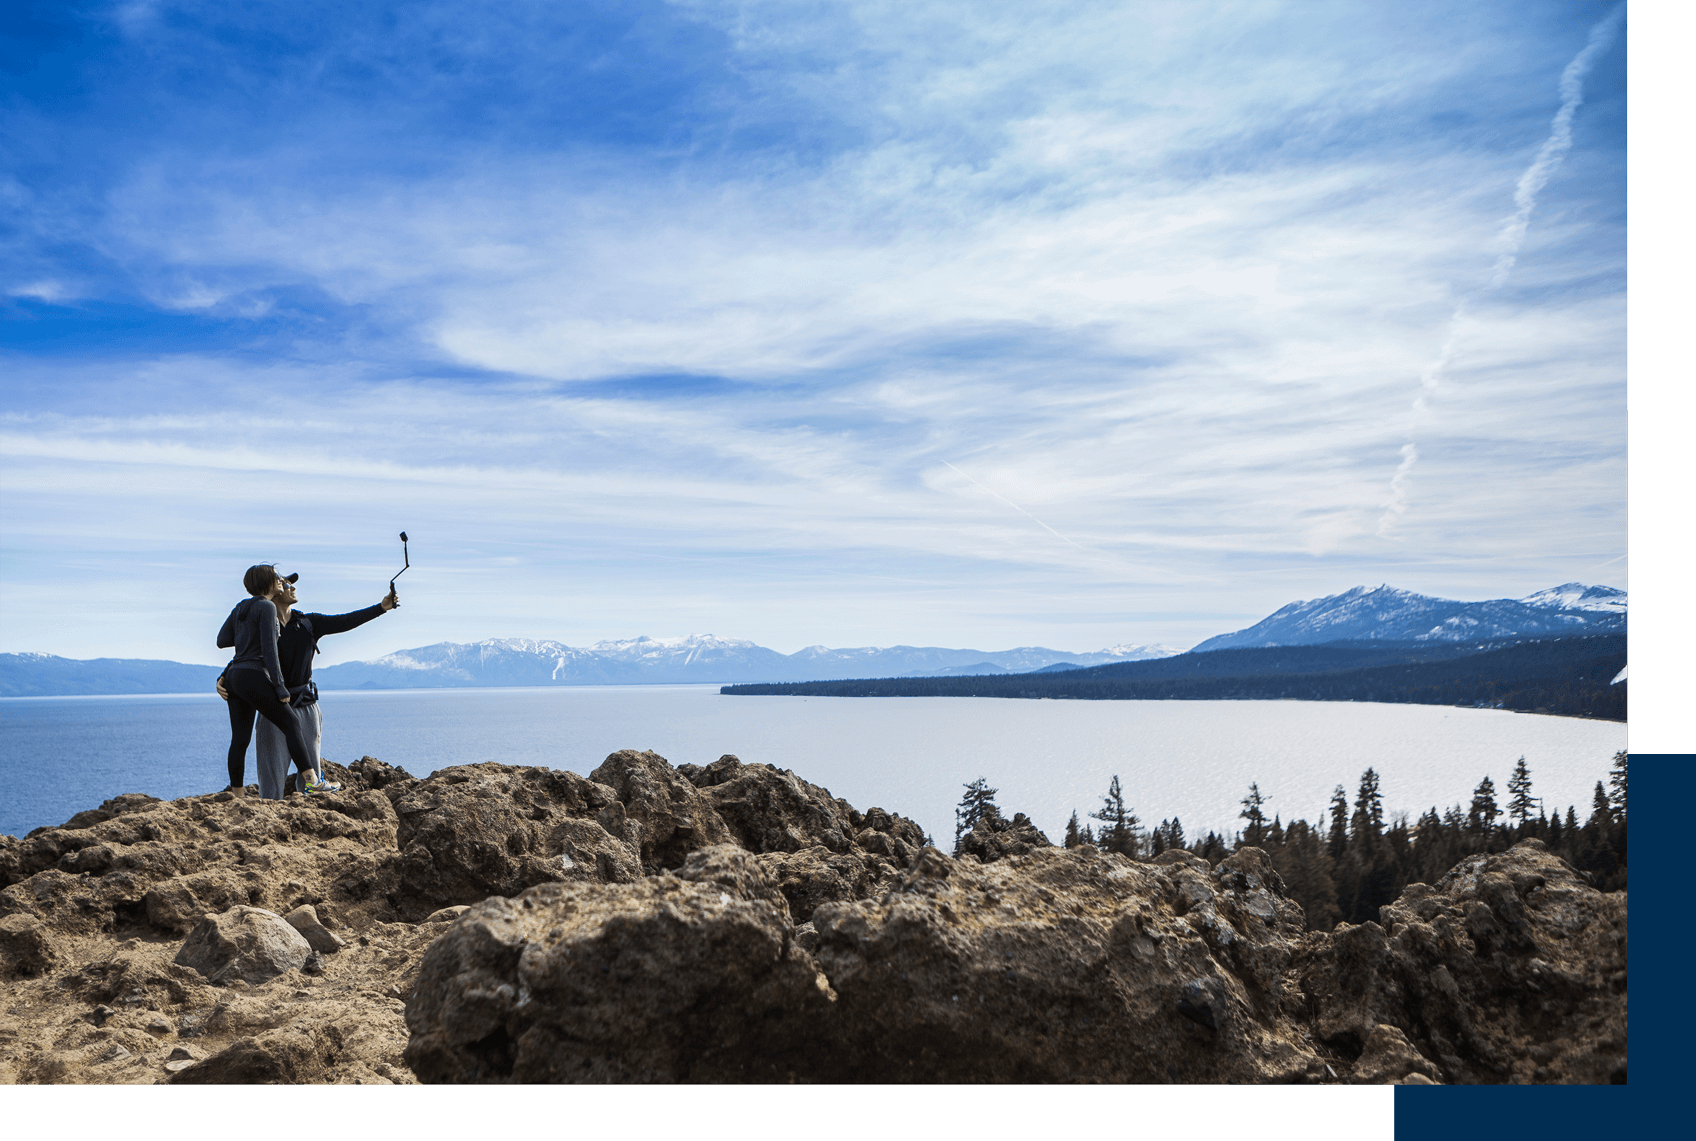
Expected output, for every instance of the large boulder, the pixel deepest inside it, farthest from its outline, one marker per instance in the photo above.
(473, 831)
(666, 980)
(246, 943)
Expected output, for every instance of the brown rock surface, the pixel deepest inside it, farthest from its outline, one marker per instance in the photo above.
(733, 922)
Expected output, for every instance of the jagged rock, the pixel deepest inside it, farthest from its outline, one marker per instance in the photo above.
(1049, 967)
(27, 947)
(664, 980)
(1509, 969)
(246, 943)
(1053, 966)
(815, 876)
(473, 831)
(995, 838)
(1389, 1058)
(896, 827)
(588, 852)
(742, 876)
(672, 818)
(373, 773)
(770, 810)
(1067, 965)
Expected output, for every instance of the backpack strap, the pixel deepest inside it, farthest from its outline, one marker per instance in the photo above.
(306, 623)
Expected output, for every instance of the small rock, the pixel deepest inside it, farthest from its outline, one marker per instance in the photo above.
(100, 1014)
(314, 965)
(180, 1065)
(183, 1053)
(447, 914)
(159, 1026)
(1203, 1002)
(305, 920)
(113, 1053)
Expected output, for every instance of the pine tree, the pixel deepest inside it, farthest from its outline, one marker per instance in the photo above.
(1616, 786)
(1571, 820)
(1275, 837)
(1157, 840)
(978, 804)
(1368, 819)
(1520, 800)
(1119, 831)
(1212, 849)
(1175, 834)
(1338, 841)
(1074, 837)
(1601, 811)
(1481, 817)
(1255, 834)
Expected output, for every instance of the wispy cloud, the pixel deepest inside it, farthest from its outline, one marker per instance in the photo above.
(1510, 239)
(706, 310)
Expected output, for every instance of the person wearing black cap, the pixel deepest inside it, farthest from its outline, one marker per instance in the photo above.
(294, 643)
(297, 642)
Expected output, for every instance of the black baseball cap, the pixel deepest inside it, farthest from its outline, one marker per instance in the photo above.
(291, 577)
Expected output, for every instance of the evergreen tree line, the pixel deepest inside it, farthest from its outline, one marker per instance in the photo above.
(1353, 861)
(1570, 676)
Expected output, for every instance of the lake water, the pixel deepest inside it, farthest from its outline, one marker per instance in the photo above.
(1195, 759)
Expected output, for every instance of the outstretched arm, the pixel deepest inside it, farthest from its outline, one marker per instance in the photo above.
(323, 624)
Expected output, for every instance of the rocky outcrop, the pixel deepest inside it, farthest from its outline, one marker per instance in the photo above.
(1509, 969)
(994, 837)
(732, 922)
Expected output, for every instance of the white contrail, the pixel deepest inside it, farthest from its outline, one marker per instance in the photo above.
(1511, 237)
(1013, 505)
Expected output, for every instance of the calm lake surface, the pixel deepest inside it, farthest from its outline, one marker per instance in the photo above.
(1194, 759)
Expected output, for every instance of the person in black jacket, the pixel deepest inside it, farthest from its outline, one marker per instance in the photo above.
(253, 681)
(297, 643)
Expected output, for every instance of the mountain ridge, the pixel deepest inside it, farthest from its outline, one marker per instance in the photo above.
(1365, 614)
(1387, 613)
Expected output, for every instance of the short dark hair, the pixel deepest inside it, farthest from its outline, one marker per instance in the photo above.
(261, 579)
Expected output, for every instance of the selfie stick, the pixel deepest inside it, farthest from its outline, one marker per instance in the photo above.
(404, 556)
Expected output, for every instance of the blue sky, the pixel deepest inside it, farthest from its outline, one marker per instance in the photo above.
(954, 324)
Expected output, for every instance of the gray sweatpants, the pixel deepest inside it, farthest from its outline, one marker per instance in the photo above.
(273, 748)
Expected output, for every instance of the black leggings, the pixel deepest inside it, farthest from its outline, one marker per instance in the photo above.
(251, 692)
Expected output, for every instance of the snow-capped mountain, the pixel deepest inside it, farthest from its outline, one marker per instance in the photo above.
(1577, 596)
(1383, 613)
(696, 658)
